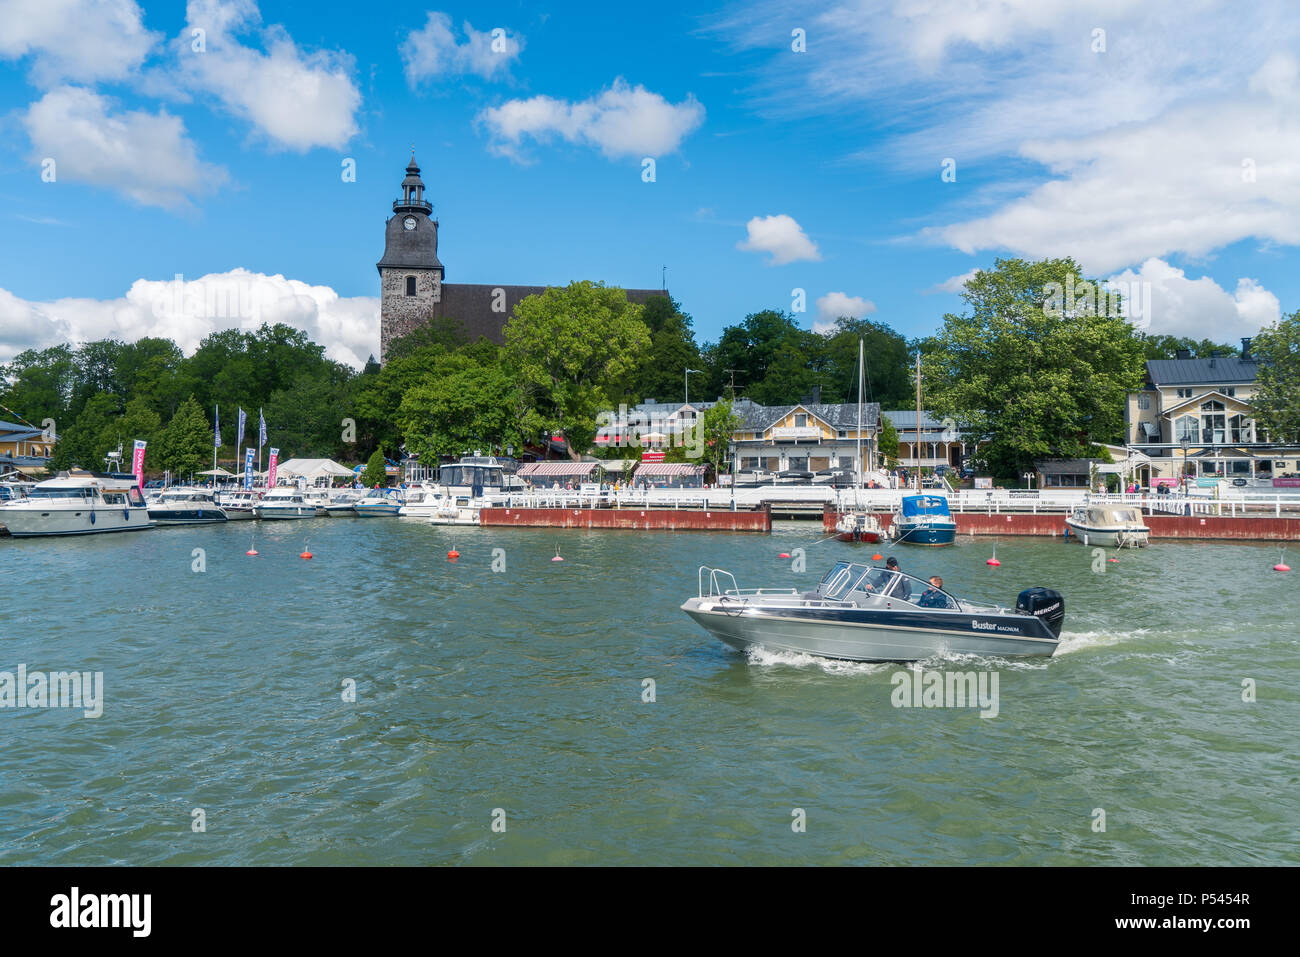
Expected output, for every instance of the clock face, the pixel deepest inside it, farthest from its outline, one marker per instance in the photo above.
(409, 223)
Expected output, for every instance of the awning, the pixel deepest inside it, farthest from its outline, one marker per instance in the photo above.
(558, 468)
(668, 468)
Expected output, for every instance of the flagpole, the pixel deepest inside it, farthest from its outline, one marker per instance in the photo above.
(214, 444)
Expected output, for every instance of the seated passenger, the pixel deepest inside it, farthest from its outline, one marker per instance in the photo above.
(934, 596)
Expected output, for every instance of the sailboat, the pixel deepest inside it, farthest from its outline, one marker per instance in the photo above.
(859, 525)
(923, 519)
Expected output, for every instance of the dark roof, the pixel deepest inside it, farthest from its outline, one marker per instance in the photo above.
(471, 304)
(12, 432)
(1167, 372)
(416, 248)
(838, 415)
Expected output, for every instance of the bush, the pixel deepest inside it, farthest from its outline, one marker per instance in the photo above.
(376, 471)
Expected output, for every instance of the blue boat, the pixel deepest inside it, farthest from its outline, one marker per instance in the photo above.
(924, 520)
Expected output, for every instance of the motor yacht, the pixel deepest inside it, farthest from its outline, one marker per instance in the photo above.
(285, 502)
(471, 483)
(379, 502)
(239, 504)
(180, 505)
(1110, 526)
(861, 612)
(923, 520)
(342, 502)
(77, 503)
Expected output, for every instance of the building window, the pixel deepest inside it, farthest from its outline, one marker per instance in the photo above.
(1239, 429)
(1144, 402)
(1184, 393)
(1186, 429)
(842, 434)
(801, 421)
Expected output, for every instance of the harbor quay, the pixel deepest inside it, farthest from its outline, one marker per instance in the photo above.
(631, 519)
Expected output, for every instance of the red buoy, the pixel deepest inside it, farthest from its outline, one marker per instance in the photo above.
(453, 555)
(994, 562)
(305, 555)
(1113, 560)
(1281, 567)
(877, 557)
(251, 551)
(784, 555)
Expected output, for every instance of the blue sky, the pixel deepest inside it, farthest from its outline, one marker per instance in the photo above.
(1163, 155)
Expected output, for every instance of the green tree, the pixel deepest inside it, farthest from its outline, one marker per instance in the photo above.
(570, 347)
(86, 439)
(1044, 378)
(1277, 399)
(887, 440)
(1167, 347)
(717, 425)
(673, 350)
(37, 384)
(185, 445)
(458, 407)
(375, 473)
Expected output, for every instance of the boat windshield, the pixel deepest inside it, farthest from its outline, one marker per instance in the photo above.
(65, 492)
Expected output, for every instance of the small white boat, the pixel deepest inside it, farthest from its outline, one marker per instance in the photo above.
(285, 503)
(1109, 526)
(379, 502)
(187, 506)
(342, 502)
(239, 504)
(79, 503)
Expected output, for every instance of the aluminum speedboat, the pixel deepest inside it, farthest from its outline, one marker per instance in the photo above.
(1111, 526)
(79, 503)
(187, 506)
(861, 612)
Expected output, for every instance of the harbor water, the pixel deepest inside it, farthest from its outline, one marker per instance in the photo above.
(511, 709)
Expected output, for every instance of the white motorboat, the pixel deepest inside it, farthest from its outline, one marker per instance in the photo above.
(78, 503)
(343, 501)
(180, 505)
(239, 504)
(1109, 526)
(286, 502)
(462, 488)
(379, 502)
(861, 613)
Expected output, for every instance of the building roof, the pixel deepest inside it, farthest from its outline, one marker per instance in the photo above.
(838, 415)
(472, 305)
(13, 432)
(1066, 466)
(1211, 371)
(668, 468)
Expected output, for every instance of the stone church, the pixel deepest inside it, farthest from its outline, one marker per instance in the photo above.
(410, 275)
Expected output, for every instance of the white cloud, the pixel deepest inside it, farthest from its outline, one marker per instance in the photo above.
(188, 310)
(620, 121)
(781, 238)
(147, 156)
(80, 41)
(432, 51)
(954, 284)
(1161, 300)
(296, 100)
(1198, 178)
(834, 305)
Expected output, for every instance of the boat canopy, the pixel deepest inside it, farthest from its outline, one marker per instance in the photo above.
(1104, 516)
(916, 505)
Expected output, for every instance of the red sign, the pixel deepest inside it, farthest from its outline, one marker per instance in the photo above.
(137, 463)
(652, 456)
(270, 478)
(1285, 482)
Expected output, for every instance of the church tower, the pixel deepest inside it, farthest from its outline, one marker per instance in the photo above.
(410, 275)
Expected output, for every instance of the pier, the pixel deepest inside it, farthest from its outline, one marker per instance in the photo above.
(631, 519)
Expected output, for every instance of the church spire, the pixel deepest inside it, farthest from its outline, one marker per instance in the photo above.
(412, 200)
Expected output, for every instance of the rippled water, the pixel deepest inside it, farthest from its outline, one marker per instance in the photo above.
(522, 690)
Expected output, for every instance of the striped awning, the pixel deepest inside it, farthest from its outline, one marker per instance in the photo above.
(668, 468)
(558, 468)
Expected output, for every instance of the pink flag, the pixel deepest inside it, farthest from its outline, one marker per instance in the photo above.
(137, 463)
(270, 476)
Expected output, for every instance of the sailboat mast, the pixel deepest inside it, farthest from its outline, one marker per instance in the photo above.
(918, 420)
(860, 357)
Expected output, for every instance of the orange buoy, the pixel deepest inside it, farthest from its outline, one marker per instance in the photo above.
(994, 562)
(1281, 567)
(251, 551)
(305, 555)
(877, 557)
(453, 555)
(1113, 560)
(784, 555)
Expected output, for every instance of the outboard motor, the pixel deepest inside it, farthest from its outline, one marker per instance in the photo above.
(1045, 604)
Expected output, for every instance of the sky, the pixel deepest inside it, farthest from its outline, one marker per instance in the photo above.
(837, 158)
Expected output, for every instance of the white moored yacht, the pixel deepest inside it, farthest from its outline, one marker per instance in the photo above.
(462, 489)
(285, 502)
(187, 506)
(1111, 526)
(79, 503)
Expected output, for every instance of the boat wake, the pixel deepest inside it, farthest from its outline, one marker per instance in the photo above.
(1072, 641)
(832, 666)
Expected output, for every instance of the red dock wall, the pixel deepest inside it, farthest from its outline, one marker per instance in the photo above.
(1162, 526)
(665, 519)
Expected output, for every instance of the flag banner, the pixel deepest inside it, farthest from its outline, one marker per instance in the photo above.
(239, 437)
(270, 476)
(261, 429)
(137, 462)
(216, 438)
(248, 468)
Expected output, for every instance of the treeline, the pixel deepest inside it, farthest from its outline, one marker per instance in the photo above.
(1041, 385)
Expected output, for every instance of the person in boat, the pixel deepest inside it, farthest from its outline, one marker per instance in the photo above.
(934, 597)
(879, 580)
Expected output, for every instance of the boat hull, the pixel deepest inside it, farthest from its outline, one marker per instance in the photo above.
(376, 511)
(871, 634)
(35, 523)
(930, 533)
(286, 512)
(871, 538)
(1109, 537)
(187, 516)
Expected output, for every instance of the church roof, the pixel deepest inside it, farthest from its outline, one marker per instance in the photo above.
(471, 304)
(411, 248)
